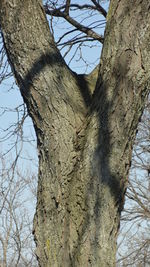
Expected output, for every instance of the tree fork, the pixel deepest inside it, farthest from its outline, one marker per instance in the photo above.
(85, 139)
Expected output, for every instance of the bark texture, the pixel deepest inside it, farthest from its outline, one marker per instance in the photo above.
(84, 134)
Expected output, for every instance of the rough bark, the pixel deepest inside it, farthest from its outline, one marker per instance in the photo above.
(84, 139)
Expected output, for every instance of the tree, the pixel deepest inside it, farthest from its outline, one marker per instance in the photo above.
(16, 240)
(85, 125)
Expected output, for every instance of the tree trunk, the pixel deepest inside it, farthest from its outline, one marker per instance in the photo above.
(84, 139)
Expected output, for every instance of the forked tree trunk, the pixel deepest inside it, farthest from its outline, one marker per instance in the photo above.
(84, 139)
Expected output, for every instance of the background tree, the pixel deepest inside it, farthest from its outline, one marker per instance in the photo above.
(16, 241)
(84, 139)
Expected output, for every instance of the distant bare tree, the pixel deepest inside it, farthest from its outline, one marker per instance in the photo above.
(16, 215)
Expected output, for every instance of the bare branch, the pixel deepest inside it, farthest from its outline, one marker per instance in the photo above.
(67, 7)
(100, 8)
(89, 32)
